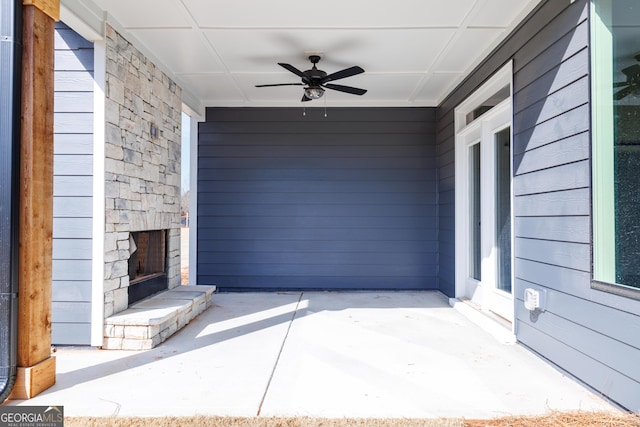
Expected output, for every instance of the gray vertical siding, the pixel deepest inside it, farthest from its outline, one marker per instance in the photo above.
(287, 201)
(72, 203)
(592, 334)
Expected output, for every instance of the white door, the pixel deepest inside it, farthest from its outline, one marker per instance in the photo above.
(483, 208)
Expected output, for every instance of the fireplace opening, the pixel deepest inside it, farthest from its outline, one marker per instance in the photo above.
(147, 264)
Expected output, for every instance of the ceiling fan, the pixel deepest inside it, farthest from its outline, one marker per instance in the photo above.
(632, 84)
(315, 81)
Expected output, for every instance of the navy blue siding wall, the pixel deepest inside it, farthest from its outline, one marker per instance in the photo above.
(287, 201)
(592, 334)
(72, 189)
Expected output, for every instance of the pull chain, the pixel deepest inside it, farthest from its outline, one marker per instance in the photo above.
(325, 105)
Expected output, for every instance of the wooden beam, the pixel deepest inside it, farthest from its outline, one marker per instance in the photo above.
(36, 205)
(51, 8)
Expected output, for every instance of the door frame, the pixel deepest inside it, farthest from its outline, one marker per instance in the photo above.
(483, 292)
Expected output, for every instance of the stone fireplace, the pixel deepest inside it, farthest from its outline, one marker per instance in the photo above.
(143, 113)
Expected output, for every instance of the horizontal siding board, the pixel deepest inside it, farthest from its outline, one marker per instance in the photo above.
(67, 39)
(325, 222)
(74, 60)
(569, 150)
(609, 382)
(321, 186)
(304, 141)
(70, 333)
(408, 259)
(557, 203)
(318, 163)
(73, 164)
(447, 183)
(564, 229)
(72, 312)
(302, 128)
(73, 122)
(298, 173)
(71, 249)
(566, 177)
(71, 291)
(303, 152)
(77, 144)
(72, 207)
(316, 114)
(72, 81)
(567, 280)
(362, 234)
(446, 223)
(564, 254)
(63, 270)
(72, 228)
(311, 211)
(317, 270)
(447, 171)
(353, 198)
(446, 198)
(446, 157)
(73, 102)
(213, 247)
(318, 282)
(76, 186)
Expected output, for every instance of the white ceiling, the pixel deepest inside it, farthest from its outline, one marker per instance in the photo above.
(414, 52)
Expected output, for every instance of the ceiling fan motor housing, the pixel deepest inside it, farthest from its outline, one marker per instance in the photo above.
(314, 75)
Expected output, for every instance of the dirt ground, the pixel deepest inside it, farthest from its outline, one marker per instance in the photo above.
(185, 274)
(554, 419)
(184, 255)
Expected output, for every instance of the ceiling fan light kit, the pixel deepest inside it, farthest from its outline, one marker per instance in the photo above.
(315, 81)
(314, 92)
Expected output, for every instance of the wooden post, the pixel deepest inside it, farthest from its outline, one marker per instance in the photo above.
(36, 367)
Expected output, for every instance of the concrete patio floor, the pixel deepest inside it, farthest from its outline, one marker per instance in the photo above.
(352, 354)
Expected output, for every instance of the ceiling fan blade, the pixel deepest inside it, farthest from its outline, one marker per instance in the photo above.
(346, 89)
(624, 92)
(293, 69)
(347, 72)
(281, 84)
(620, 84)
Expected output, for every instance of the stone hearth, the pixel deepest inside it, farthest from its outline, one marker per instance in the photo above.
(149, 322)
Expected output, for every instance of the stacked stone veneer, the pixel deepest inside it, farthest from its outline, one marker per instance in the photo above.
(142, 171)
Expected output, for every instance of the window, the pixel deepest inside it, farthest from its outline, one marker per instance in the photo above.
(616, 145)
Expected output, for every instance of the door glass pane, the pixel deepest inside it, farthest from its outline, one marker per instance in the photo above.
(503, 209)
(474, 216)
